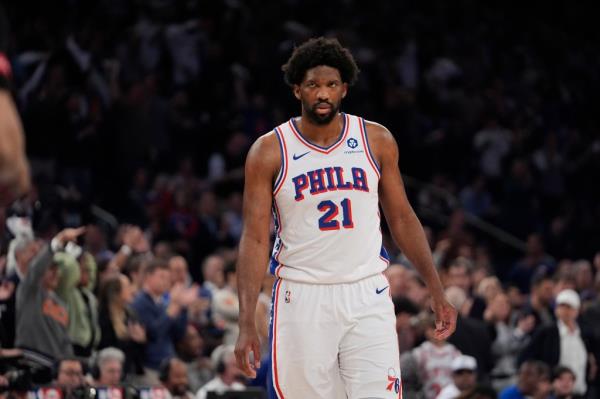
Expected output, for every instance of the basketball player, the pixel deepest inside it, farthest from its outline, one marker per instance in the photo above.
(14, 170)
(323, 175)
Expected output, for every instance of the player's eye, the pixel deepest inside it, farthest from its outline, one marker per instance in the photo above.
(333, 84)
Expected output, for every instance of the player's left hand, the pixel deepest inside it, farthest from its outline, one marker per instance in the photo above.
(445, 318)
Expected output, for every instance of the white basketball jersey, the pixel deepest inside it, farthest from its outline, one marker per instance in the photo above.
(434, 366)
(326, 208)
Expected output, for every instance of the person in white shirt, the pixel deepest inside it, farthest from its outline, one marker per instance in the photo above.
(562, 342)
(464, 376)
(573, 352)
(228, 373)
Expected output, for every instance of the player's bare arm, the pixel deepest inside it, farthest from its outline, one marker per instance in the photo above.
(405, 227)
(14, 170)
(262, 165)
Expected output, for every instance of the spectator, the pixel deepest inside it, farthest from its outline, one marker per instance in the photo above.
(397, 275)
(228, 373)
(109, 367)
(42, 318)
(198, 309)
(563, 383)
(75, 284)
(120, 325)
(164, 323)
(562, 343)
(464, 377)
(96, 244)
(433, 359)
(190, 349)
(488, 288)
(69, 376)
(531, 381)
(174, 378)
(509, 340)
(405, 311)
(226, 308)
(540, 301)
(535, 261)
(213, 273)
(471, 336)
(459, 274)
(24, 251)
(179, 271)
(584, 279)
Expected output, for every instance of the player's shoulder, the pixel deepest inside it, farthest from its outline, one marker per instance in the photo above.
(377, 133)
(265, 152)
(382, 143)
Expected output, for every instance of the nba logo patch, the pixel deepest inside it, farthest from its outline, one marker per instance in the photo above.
(287, 297)
(393, 382)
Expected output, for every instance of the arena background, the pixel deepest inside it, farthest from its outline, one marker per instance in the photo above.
(141, 113)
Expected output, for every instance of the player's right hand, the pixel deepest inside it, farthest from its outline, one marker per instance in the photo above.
(247, 343)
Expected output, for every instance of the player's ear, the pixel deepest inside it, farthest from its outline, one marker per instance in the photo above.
(296, 90)
(345, 91)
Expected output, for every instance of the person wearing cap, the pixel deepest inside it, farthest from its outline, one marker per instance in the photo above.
(464, 376)
(562, 342)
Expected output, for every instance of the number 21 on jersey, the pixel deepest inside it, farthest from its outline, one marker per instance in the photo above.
(329, 220)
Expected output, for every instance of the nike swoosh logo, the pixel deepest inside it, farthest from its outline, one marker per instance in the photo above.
(379, 291)
(296, 157)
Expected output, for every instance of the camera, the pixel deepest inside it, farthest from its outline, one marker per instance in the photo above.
(22, 376)
(18, 381)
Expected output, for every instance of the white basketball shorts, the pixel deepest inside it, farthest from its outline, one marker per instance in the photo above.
(334, 341)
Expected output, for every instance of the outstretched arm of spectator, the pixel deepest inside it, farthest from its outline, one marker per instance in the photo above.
(44, 258)
(134, 241)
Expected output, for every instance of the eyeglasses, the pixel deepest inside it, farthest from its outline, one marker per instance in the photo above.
(72, 373)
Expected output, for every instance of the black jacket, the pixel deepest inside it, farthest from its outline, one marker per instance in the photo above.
(545, 346)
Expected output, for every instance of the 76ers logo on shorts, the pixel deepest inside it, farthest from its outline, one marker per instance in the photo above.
(393, 383)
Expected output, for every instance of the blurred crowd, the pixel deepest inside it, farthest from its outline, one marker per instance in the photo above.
(138, 117)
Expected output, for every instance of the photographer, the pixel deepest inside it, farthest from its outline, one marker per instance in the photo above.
(70, 378)
(109, 367)
(42, 319)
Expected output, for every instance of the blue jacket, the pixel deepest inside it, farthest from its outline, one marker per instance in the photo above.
(511, 392)
(162, 331)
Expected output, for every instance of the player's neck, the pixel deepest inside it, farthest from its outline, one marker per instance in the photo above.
(322, 135)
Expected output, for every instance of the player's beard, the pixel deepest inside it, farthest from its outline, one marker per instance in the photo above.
(317, 119)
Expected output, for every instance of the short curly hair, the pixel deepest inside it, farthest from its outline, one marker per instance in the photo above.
(316, 52)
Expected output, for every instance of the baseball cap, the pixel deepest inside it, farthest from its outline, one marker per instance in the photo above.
(568, 297)
(464, 362)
